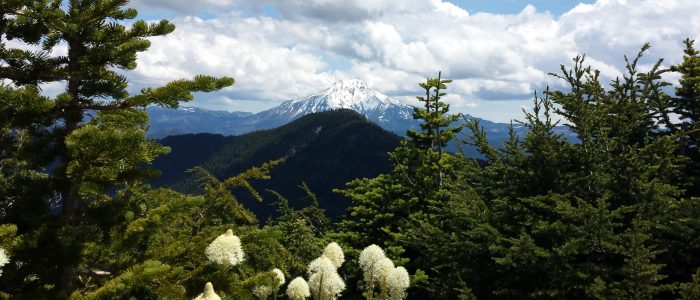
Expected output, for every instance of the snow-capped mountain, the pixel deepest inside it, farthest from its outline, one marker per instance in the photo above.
(351, 94)
(386, 112)
(390, 114)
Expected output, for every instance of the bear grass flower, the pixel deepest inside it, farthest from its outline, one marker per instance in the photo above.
(225, 250)
(280, 277)
(326, 285)
(335, 254)
(369, 256)
(377, 268)
(367, 261)
(324, 281)
(381, 271)
(298, 289)
(208, 293)
(321, 265)
(397, 283)
(4, 259)
(262, 291)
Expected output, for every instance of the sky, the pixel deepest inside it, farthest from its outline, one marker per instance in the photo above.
(498, 52)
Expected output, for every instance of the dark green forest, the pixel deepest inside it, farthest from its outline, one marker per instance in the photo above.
(613, 215)
(322, 150)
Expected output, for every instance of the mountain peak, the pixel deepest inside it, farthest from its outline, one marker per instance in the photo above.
(352, 94)
(349, 84)
(345, 94)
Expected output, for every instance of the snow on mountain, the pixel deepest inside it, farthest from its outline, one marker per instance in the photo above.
(390, 114)
(386, 112)
(350, 94)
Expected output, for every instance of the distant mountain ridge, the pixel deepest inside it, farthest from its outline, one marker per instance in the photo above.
(390, 114)
(185, 120)
(325, 150)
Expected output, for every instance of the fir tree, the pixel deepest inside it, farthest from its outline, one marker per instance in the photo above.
(301, 230)
(85, 143)
(383, 206)
(576, 217)
(687, 105)
(435, 122)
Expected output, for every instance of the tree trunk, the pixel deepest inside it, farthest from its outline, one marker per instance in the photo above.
(73, 115)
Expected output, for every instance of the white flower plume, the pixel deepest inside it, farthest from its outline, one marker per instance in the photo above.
(381, 271)
(4, 259)
(324, 281)
(280, 277)
(321, 265)
(298, 289)
(262, 291)
(208, 293)
(335, 254)
(326, 285)
(225, 250)
(370, 255)
(397, 283)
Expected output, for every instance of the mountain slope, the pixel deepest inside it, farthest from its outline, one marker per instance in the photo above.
(166, 121)
(325, 150)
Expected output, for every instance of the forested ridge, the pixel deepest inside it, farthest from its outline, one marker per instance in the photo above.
(323, 150)
(613, 215)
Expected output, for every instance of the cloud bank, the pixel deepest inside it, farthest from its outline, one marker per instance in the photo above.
(282, 49)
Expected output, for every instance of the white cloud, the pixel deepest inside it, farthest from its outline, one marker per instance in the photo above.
(338, 11)
(394, 44)
(471, 105)
(263, 70)
(184, 6)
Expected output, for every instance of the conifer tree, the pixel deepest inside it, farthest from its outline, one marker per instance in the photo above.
(549, 218)
(83, 144)
(687, 94)
(687, 105)
(679, 249)
(301, 229)
(585, 215)
(383, 206)
(435, 122)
